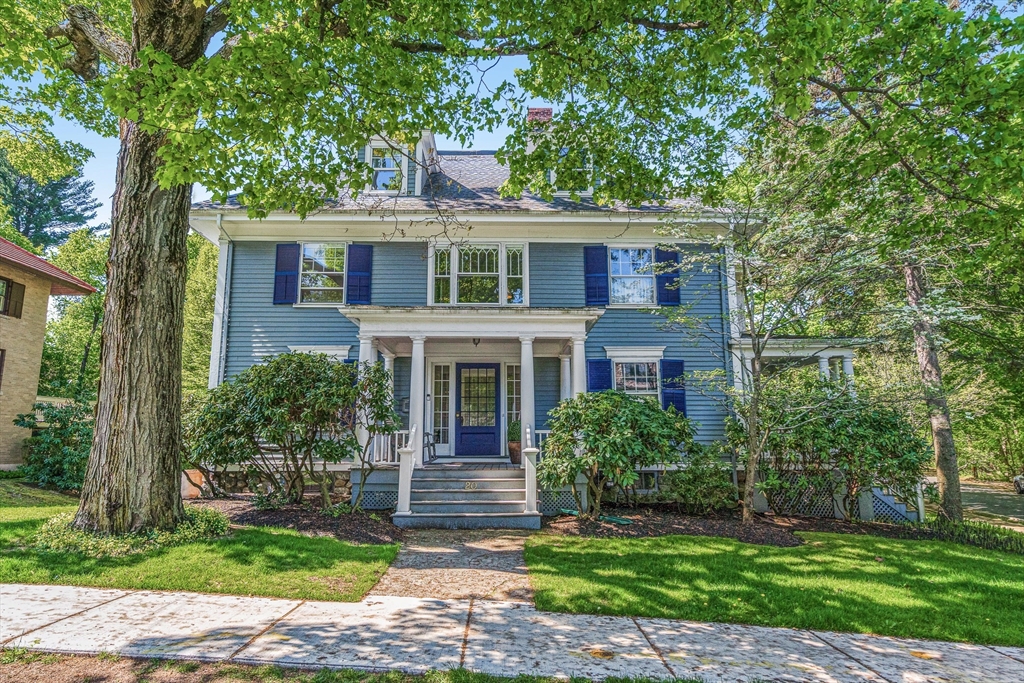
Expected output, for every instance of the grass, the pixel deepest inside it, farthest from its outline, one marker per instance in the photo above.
(836, 582)
(13, 493)
(266, 561)
(144, 670)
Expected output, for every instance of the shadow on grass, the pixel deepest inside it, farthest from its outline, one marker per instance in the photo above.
(834, 582)
(264, 561)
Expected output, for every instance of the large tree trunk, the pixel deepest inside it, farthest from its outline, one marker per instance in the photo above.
(133, 479)
(950, 503)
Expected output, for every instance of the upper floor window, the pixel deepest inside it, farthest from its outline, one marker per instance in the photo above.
(632, 275)
(322, 279)
(493, 274)
(579, 178)
(12, 297)
(387, 169)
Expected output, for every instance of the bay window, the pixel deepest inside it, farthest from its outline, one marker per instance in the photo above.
(481, 274)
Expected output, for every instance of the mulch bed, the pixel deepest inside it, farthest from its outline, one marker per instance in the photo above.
(357, 527)
(653, 520)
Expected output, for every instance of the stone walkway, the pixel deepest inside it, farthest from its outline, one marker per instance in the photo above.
(415, 635)
(459, 565)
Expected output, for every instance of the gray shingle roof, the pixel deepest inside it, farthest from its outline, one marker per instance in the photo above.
(465, 181)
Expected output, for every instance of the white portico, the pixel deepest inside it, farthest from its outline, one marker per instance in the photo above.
(471, 373)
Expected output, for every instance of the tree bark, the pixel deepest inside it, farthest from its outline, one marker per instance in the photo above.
(950, 503)
(133, 478)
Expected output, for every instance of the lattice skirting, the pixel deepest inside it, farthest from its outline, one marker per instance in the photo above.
(550, 502)
(380, 500)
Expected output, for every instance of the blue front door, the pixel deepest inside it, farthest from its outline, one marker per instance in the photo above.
(476, 409)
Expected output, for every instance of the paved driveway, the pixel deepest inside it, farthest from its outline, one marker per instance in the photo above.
(994, 499)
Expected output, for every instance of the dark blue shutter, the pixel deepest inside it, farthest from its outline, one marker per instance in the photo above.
(595, 265)
(360, 268)
(673, 388)
(286, 274)
(668, 295)
(599, 375)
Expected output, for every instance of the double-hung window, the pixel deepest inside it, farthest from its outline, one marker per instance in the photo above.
(322, 279)
(637, 378)
(386, 163)
(632, 275)
(481, 274)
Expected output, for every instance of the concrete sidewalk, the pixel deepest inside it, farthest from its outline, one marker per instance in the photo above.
(414, 635)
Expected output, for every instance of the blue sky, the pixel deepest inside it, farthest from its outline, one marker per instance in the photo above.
(101, 168)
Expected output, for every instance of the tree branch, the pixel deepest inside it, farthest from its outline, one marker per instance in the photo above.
(91, 40)
(215, 21)
(668, 26)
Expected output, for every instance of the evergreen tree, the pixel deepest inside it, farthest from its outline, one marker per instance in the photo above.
(45, 213)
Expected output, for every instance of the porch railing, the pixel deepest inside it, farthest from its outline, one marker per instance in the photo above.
(539, 437)
(385, 447)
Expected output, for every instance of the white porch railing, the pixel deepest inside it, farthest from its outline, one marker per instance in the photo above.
(540, 436)
(385, 447)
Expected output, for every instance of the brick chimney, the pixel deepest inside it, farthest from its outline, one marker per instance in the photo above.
(538, 114)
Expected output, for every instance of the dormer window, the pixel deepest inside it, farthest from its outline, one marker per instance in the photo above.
(581, 180)
(387, 164)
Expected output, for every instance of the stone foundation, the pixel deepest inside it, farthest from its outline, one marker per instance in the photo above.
(238, 481)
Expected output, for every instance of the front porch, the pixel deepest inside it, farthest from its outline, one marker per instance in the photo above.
(462, 376)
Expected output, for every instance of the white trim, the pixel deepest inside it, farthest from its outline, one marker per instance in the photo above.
(299, 303)
(653, 276)
(335, 352)
(635, 354)
(221, 304)
(509, 322)
(402, 148)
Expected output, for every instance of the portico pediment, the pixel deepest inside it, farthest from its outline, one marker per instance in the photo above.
(473, 322)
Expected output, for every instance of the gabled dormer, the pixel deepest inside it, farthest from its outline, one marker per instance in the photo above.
(400, 167)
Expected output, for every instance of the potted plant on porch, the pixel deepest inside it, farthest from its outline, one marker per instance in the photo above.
(515, 446)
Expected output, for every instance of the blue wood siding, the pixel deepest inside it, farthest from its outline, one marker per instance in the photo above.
(556, 275)
(257, 328)
(403, 375)
(546, 388)
(400, 274)
(634, 327)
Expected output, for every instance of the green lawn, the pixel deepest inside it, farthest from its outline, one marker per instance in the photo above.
(865, 584)
(253, 561)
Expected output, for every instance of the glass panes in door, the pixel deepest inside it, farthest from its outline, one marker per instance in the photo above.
(478, 398)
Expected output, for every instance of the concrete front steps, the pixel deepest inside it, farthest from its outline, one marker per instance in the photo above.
(485, 496)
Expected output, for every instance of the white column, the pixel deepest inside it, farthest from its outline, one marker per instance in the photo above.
(374, 350)
(565, 388)
(823, 367)
(526, 396)
(365, 350)
(834, 365)
(405, 466)
(416, 396)
(579, 365)
(848, 367)
(389, 367)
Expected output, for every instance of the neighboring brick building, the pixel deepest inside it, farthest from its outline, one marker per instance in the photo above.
(26, 284)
